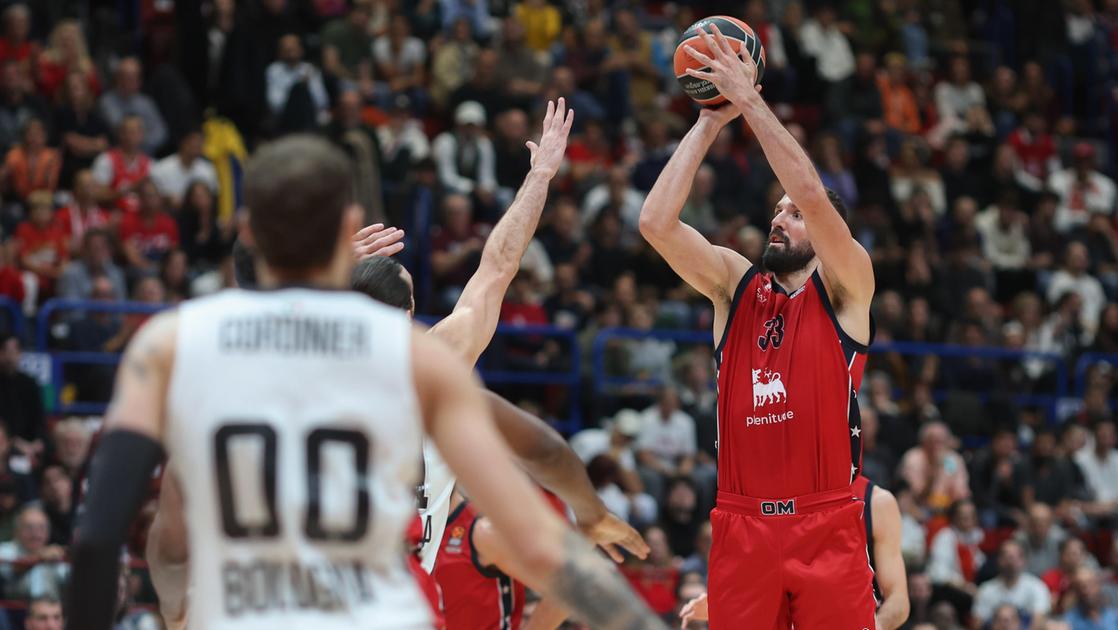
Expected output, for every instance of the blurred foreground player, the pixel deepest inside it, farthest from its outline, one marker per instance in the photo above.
(882, 516)
(788, 537)
(265, 395)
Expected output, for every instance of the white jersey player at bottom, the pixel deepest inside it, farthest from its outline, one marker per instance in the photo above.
(434, 494)
(295, 426)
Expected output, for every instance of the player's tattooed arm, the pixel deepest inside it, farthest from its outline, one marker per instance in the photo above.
(596, 593)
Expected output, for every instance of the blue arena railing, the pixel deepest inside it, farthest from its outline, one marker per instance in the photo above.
(1087, 361)
(14, 314)
(604, 381)
(569, 378)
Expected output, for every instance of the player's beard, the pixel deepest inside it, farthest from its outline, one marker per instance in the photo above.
(787, 259)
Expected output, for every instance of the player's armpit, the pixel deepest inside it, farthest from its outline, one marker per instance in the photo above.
(889, 563)
(140, 389)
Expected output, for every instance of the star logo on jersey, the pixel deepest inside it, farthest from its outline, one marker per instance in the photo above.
(768, 388)
(454, 542)
(855, 432)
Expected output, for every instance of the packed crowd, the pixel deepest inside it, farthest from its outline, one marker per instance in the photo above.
(976, 147)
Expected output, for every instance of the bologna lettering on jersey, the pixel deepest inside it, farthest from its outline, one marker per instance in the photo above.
(264, 586)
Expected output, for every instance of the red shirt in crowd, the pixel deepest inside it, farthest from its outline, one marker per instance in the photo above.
(1033, 151)
(24, 51)
(73, 223)
(52, 75)
(44, 246)
(655, 585)
(154, 236)
(11, 283)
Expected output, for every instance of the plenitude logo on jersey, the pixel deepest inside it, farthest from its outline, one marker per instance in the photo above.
(768, 389)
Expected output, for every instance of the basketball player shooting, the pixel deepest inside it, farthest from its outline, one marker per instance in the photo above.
(300, 490)
(788, 537)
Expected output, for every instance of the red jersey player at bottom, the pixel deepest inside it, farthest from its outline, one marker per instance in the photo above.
(475, 597)
(789, 541)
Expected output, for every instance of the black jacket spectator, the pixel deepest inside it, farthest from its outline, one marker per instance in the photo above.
(21, 400)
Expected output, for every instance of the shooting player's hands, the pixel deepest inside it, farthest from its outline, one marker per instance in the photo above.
(734, 76)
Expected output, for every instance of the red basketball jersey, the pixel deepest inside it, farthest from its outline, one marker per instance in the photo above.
(474, 597)
(788, 377)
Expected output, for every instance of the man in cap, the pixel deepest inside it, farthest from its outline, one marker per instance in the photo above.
(465, 156)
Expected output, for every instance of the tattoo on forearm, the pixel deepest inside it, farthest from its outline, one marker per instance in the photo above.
(596, 593)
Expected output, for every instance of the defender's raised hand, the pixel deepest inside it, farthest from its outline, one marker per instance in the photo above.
(377, 240)
(548, 154)
(735, 76)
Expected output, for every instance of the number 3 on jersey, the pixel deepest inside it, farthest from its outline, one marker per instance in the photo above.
(774, 333)
(246, 457)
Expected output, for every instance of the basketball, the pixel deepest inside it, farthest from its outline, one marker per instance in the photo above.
(737, 32)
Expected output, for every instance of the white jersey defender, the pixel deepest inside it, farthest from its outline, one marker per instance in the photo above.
(294, 419)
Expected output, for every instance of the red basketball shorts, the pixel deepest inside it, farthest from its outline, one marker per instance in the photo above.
(799, 561)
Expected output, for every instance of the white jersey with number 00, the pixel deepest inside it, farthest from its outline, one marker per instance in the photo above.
(434, 503)
(294, 424)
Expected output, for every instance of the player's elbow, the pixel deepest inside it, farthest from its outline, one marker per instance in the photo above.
(651, 224)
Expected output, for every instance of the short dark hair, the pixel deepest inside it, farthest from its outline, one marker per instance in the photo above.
(379, 278)
(839, 204)
(297, 189)
(244, 265)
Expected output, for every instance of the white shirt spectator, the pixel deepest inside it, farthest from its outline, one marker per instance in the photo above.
(1101, 474)
(446, 152)
(1078, 202)
(667, 439)
(943, 557)
(1090, 291)
(172, 177)
(411, 54)
(282, 77)
(630, 210)
(1007, 247)
(955, 100)
(833, 56)
(1027, 593)
(408, 137)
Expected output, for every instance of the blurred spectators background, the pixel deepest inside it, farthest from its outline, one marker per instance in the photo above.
(974, 141)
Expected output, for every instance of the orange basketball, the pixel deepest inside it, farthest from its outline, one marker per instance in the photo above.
(737, 32)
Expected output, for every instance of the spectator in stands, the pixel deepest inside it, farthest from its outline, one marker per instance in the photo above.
(15, 476)
(1012, 586)
(76, 282)
(1006, 617)
(512, 159)
(1083, 191)
(998, 481)
(401, 60)
(43, 248)
(484, 85)
(175, 275)
(83, 133)
(957, 96)
(71, 440)
(666, 445)
(452, 63)
(347, 46)
(465, 156)
(541, 22)
(954, 557)
(900, 111)
(126, 99)
(16, 44)
(911, 173)
(823, 39)
(456, 247)
(1034, 150)
(1059, 579)
(21, 401)
(96, 331)
(296, 94)
(349, 131)
(402, 142)
(206, 239)
(1099, 464)
(1041, 539)
(1074, 278)
(475, 12)
(45, 613)
(1091, 611)
(67, 55)
(149, 233)
(1110, 577)
(934, 471)
(174, 173)
(57, 493)
(616, 196)
(656, 577)
(17, 104)
(23, 576)
(521, 73)
(82, 213)
(699, 561)
(631, 52)
(120, 169)
(1005, 241)
(31, 165)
